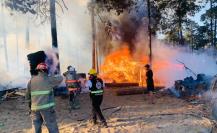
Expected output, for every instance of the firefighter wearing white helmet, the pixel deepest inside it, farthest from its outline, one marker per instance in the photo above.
(96, 86)
(41, 96)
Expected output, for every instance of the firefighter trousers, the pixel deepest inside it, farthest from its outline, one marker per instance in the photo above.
(96, 111)
(48, 117)
(74, 100)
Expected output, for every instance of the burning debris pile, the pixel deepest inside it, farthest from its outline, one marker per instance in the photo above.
(190, 87)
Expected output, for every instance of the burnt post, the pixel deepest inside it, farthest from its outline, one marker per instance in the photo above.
(4, 35)
(149, 31)
(93, 35)
(54, 29)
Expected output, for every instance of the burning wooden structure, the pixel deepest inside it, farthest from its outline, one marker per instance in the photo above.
(122, 84)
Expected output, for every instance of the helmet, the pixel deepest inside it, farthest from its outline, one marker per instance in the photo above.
(42, 66)
(69, 67)
(92, 72)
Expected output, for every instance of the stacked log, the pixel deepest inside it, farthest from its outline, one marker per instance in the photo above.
(121, 84)
(129, 90)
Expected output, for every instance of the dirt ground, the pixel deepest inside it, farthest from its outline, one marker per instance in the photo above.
(124, 114)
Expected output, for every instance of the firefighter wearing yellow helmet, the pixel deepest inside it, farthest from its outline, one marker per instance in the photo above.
(96, 86)
(92, 72)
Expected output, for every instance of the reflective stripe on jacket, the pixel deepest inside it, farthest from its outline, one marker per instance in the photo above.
(96, 86)
(73, 89)
(72, 83)
(98, 92)
(40, 91)
(44, 97)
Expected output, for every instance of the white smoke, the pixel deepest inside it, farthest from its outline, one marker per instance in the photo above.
(170, 63)
(175, 70)
(52, 60)
(74, 39)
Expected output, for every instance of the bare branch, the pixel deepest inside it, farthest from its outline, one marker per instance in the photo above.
(60, 6)
(64, 4)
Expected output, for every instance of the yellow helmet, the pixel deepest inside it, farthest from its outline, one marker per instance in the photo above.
(92, 72)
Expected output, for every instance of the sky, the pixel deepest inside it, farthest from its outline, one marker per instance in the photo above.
(196, 18)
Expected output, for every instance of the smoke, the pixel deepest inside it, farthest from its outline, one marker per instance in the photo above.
(118, 29)
(74, 40)
(174, 57)
(170, 62)
(52, 60)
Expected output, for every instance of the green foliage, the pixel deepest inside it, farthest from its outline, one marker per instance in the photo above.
(119, 6)
(209, 14)
(169, 16)
(172, 36)
(196, 36)
(201, 37)
(174, 16)
(23, 6)
(209, 18)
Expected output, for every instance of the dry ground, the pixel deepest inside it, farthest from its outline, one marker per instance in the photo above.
(131, 114)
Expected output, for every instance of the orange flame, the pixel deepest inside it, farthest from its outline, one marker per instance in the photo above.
(120, 66)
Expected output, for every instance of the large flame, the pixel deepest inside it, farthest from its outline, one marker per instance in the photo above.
(121, 66)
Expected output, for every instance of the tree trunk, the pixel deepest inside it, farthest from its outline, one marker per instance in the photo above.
(54, 30)
(97, 58)
(17, 43)
(150, 31)
(53, 24)
(192, 38)
(4, 37)
(211, 22)
(215, 31)
(93, 36)
(181, 39)
(27, 33)
(97, 50)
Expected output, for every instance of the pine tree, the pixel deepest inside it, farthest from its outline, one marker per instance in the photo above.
(174, 16)
(209, 19)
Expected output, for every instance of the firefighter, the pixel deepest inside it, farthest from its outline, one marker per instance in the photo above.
(150, 83)
(73, 87)
(96, 86)
(40, 95)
